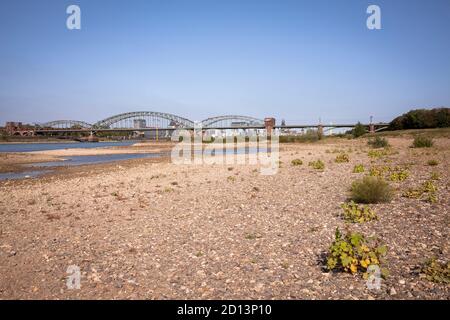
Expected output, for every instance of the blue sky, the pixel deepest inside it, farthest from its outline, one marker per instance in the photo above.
(297, 60)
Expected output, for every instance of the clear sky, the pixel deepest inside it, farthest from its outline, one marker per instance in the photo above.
(297, 60)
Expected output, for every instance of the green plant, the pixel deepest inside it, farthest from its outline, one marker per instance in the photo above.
(378, 171)
(353, 253)
(429, 186)
(435, 176)
(358, 130)
(309, 136)
(358, 168)
(371, 190)
(357, 214)
(436, 271)
(432, 162)
(343, 157)
(395, 174)
(297, 162)
(422, 142)
(378, 142)
(422, 118)
(318, 164)
(378, 153)
(231, 178)
(412, 193)
(252, 236)
(399, 175)
(426, 192)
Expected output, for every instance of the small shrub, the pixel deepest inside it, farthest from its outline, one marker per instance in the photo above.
(343, 157)
(353, 253)
(378, 142)
(358, 168)
(358, 130)
(371, 190)
(422, 142)
(318, 164)
(357, 214)
(432, 162)
(231, 178)
(297, 162)
(436, 271)
(308, 136)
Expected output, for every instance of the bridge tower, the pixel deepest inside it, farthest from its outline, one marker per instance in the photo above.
(269, 123)
(371, 125)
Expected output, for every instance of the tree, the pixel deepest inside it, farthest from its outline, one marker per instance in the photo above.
(422, 119)
(358, 130)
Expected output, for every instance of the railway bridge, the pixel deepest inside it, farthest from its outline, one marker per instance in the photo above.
(161, 124)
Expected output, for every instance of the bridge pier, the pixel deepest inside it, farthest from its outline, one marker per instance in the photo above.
(320, 131)
(92, 137)
(371, 128)
(269, 123)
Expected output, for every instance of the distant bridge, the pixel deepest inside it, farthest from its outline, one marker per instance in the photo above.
(65, 124)
(371, 127)
(151, 121)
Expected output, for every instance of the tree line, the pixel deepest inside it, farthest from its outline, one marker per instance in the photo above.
(422, 119)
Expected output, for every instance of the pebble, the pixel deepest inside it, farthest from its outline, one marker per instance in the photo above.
(392, 292)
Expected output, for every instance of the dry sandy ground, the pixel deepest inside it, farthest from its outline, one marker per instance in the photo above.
(149, 229)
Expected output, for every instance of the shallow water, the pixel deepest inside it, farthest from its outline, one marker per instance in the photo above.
(80, 160)
(74, 161)
(21, 175)
(97, 159)
(28, 147)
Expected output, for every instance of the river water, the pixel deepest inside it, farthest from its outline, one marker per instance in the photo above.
(37, 169)
(28, 147)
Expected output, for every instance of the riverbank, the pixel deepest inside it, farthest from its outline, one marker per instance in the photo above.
(149, 229)
(20, 161)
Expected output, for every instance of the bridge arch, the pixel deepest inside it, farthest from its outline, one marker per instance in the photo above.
(65, 124)
(139, 119)
(229, 120)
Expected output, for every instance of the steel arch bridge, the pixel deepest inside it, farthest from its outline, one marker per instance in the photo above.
(66, 124)
(230, 120)
(140, 119)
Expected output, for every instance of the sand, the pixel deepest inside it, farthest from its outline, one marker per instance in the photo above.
(149, 229)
